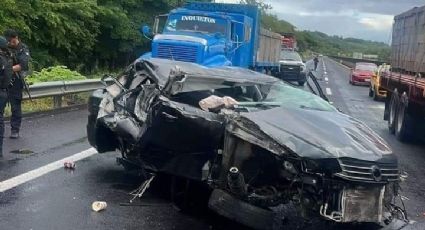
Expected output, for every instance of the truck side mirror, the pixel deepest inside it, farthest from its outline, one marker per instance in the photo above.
(146, 31)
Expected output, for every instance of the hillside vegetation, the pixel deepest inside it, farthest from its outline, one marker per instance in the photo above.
(322, 43)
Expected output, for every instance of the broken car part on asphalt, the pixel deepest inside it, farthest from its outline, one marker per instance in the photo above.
(270, 145)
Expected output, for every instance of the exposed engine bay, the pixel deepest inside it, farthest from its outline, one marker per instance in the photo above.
(257, 143)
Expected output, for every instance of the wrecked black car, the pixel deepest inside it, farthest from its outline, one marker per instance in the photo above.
(256, 142)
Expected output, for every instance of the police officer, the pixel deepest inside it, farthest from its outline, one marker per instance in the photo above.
(5, 77)
(21, 56)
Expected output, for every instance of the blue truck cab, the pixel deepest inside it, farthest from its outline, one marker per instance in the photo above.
(210, 34)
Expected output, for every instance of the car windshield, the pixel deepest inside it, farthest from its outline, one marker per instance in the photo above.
(196, 23)
(291, 97)
(277, 94)
(290, 56)
(366, 67)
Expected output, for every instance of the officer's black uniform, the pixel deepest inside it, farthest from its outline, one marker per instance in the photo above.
(21, 57)
(316, 61)
(5, 77)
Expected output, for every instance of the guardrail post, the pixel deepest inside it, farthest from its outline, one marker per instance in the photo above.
(57, 102)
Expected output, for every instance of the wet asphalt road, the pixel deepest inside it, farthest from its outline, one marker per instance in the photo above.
(61, 199)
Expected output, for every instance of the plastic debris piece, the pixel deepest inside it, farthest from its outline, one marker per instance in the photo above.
(98, 206)
(69, 165)
(141, 190)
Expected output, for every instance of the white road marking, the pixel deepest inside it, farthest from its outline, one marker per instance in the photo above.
(33, 174)
(328, 91)
(326, 79)
(325, 72)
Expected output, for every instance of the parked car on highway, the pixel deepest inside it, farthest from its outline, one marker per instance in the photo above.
(292, 67)
(260, 146)
(375, 89)
(361, 73)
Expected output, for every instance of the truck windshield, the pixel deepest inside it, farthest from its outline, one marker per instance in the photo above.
(196, 23)
(290, 56)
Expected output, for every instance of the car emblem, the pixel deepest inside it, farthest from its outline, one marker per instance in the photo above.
(376, 173)
(290, 68)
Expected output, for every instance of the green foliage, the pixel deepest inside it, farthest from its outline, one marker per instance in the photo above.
(270, 21)
(56, 73)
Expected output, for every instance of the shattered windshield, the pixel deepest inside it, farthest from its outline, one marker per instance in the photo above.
(288, 96)
(257, 97)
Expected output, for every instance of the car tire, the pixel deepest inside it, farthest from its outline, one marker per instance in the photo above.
(404, 121)
(394, 101)
(231, 207)
(301, 83)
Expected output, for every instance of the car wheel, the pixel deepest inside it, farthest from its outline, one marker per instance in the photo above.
(370, 92)
(403, 125)
(393, 112)
(301, 83)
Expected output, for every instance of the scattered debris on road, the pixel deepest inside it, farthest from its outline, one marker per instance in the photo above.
(69, 165)
(98, 206)
(142, 189)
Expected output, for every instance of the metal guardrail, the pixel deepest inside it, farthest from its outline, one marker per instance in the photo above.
(58, 89)
(350, 62)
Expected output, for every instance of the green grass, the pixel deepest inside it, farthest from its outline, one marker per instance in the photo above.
(46, 104)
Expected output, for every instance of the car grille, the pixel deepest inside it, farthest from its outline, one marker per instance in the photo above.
(367, 171)
(178, 52)
(290, 68)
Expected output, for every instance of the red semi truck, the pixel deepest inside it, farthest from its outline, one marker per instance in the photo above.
(405, 83)
(289, 41)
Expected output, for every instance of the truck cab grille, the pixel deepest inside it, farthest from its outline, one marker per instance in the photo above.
(367, 171)
(178, 52)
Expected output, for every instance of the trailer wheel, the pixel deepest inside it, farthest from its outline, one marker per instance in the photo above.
(394, 101)
(404, 121)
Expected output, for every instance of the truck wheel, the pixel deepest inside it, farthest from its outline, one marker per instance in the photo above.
(404, 122)
(394, 101)
(301, 83)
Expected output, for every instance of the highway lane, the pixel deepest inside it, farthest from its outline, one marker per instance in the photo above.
(354, 101)
(61, 199)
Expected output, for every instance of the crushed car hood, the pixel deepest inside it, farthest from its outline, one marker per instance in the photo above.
(320, 134)
(198, 78)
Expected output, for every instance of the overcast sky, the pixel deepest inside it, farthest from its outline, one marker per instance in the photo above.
(366, 19)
